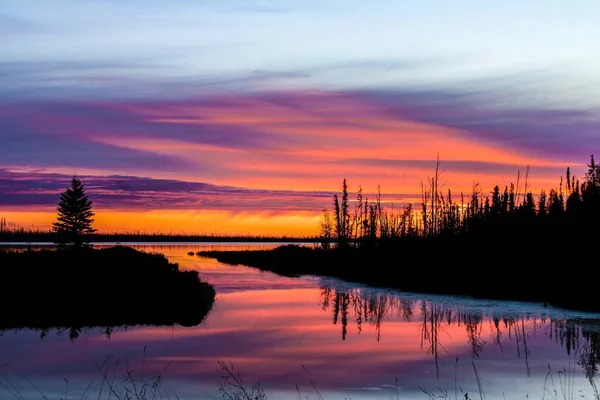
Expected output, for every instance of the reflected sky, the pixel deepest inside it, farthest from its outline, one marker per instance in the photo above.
(351, 341)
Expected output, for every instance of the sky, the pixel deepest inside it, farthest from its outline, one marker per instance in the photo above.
(245, 116)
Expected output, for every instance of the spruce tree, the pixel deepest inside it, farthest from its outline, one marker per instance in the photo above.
(590, 193)
(75, 216)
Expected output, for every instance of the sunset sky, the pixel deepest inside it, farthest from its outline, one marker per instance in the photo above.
(245, 116)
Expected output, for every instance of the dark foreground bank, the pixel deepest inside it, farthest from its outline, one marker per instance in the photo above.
(86, 287)
(446, 266)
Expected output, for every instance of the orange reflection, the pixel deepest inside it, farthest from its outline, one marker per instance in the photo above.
(270, 326)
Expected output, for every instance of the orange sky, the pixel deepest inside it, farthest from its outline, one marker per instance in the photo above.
(184, 221)
(236, 164)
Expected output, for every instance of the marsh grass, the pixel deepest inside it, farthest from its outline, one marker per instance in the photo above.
(558, 385)
(233, 388)
(116, 379)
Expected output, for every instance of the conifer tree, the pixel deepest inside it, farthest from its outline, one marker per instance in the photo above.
(542, 205)
(591, 192)
(496, 208)
(75, 216)
(345, 213)
(326, 230)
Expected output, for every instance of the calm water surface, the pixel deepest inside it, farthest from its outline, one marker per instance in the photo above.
(350, 341)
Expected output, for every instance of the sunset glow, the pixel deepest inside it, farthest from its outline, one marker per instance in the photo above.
(256, 133)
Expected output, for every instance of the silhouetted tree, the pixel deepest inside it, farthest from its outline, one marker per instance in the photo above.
(358, 215)
(326, 230)
(345, 215)
(505, 197)
(511, 199)
(556, 204)
(593, 174)
(496, 202)
(338, 220)
(574, 201)
(542, 206)
(528, 207)
(590, 192)
(75, 216)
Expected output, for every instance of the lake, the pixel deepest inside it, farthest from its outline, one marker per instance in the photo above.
(310, 337)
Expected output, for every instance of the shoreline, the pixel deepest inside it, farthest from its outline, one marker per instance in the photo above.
(374, 268)
(166, 243)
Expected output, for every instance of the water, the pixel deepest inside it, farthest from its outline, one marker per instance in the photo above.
(297, 334)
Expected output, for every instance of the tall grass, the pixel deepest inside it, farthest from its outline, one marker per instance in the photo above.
(113, 379)
(116, 379)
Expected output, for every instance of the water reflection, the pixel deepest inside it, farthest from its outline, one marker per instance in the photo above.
(577, 336)
(353, 340)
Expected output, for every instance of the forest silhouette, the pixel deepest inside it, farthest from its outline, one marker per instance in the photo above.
(510, 244)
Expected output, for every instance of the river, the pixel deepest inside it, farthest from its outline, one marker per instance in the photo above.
(310, 337)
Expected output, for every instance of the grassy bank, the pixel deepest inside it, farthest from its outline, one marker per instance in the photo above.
(420, 265)
(112, 381)
(86, 287)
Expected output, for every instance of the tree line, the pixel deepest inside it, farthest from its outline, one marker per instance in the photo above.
(574, 205)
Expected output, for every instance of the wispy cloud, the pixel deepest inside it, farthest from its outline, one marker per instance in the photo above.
(301, 140)
(265, 141)
(142, 194)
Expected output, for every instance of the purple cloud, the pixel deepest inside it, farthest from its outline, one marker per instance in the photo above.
(138, 193)
(460, 166)
(557, 133)
(303, 138)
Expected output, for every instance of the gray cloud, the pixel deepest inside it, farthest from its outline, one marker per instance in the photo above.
(567, 133)
(47, 146)
(140, 193)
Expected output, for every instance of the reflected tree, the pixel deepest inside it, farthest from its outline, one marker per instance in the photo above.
(373, 308)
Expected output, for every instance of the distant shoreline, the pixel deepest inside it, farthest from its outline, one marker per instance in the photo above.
(164, 243)
(9, 238)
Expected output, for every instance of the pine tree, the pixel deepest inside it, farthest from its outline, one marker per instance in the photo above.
(590, 193)
(326, 230)
(75, 216)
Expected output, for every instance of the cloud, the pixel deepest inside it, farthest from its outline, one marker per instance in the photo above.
(486, 115)
(168, 77)
(140, 194)
(459, 166)
(37, 139)
(297, 140)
